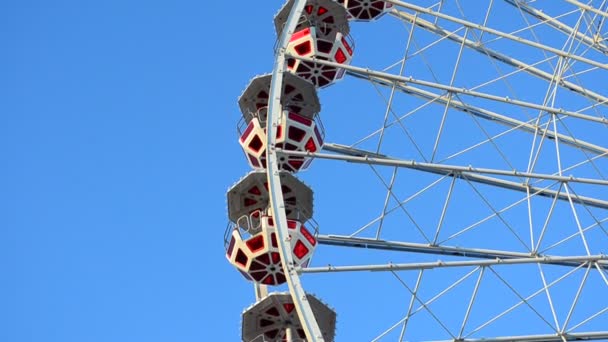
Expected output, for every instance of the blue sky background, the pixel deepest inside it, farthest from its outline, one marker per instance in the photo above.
(118, 143)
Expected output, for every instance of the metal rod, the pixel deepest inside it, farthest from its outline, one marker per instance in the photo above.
(588, 8)
(576, 298)
(580, 336)
(261, 291)
(386, 202)
(497, 55)
(547, 19)
(411, 247)
(451, 264)
(446, 290)
(388, 161)
(444, 209)
(518, 304)
(488, 115)
(547, 220)
(500, 33)
(452, 89)
(459, 171)
(411, 305)
(549, 299)
(471, 302)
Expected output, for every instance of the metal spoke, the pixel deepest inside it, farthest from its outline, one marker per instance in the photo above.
(464, 91)
(505, 223)
(393, 88)
(498, 33)
(410, 306)
(386, 200)
(510, 309)
(471, 301)
(570, 237)
(548, 293)
(411, 247)
(423, 304)
(599, 313)
(576, 298)
(578, 223)
(546, 224)
(540, 15)
(444, 210)
(407, 212)
(451, 264)
(521, 298)
(470, 173)
(481, 48)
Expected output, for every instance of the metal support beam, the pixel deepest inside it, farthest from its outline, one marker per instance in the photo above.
(452, 168)
(588, 8)
(487, 114)
(462, 172)
(261, 291)
(431, 27)
(509, 36)
(389, 79)
(580, 336)
(410, 247)
(456, 90)
(298, 295)
(549, 20)
(451, 264)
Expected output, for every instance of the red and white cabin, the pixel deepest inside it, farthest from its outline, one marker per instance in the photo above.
(295, 133)
(365, 10)
(309, 42)
(249, 197)
(327, 16)
(272, 315)
(298, 96)
(257, 256)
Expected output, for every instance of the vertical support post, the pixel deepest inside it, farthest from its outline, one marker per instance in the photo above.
(261, 291)
(289, 333)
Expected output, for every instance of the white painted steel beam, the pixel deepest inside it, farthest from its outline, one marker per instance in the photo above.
(456, 90)
(487, 114)
(451, 264)
(298, 295)
(434, 28)
(549, 20)
(579, 336)
(509, 36)
(410, 247)
(457, 168)
(463, 172)
(588, 8)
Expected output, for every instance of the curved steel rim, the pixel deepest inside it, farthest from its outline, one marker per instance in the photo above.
(305, 314)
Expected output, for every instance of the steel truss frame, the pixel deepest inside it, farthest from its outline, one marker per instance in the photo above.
(452, 97)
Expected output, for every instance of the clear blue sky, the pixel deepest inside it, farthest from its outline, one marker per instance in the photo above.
(118, 143)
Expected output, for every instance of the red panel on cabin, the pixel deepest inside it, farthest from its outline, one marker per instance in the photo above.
(300, 250)
(256, 143)
(310, 146)
(300, 34)
(308, 236)
(256, 243)
(247, 131)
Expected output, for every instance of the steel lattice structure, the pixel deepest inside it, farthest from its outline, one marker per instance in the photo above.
(477, 187)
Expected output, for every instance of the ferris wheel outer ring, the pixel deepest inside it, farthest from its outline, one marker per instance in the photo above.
(305, 313)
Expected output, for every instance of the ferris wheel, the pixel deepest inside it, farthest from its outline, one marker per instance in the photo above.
(460, 173)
